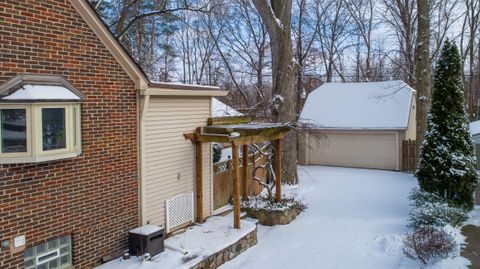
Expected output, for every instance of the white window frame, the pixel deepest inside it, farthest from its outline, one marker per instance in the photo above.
(35, 152)
(28, 134)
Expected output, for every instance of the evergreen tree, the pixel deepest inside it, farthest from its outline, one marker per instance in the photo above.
(447, 160)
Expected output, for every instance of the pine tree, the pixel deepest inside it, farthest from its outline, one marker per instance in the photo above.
(447, 160)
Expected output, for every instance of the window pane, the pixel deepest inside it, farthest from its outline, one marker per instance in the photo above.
(14, 130)
(65, 240)
(53, 128)
(41, 248)
(53, 264)
(53, 244)
(65, 260)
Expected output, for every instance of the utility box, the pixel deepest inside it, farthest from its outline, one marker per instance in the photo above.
(146, 239)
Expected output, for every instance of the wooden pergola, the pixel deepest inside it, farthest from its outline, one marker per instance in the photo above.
(238, 131)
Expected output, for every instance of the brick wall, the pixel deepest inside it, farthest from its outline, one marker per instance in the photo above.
(93, 197)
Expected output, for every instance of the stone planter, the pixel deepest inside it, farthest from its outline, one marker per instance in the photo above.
(228, 253)
(270, 218)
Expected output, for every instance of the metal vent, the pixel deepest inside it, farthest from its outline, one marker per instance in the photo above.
(179, 210)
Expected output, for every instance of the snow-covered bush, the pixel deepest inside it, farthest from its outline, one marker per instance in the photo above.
(428, 244)
(264, 203)
(217, 152)
(418, 198)
(437, 214)
(429, 209)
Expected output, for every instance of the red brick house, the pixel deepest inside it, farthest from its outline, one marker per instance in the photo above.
(73, 175)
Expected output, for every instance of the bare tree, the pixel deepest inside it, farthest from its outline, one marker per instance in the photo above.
(246, 37)
(362, 13)
(333, 22)
(305, 32)
(401, 17)
(468, 45)
(422, 70)
(276, 15)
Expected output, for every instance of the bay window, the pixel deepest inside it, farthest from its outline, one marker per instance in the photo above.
(39, 122)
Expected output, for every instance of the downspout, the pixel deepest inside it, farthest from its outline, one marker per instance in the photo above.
(143, 114)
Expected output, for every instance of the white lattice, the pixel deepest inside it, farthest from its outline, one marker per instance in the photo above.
(179, 210)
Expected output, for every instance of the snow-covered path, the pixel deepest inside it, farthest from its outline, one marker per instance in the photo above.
(355, 219)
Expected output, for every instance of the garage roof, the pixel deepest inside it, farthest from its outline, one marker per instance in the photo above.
(366, 105)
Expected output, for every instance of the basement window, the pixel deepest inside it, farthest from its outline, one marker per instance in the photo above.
(56, 253)
(39, 120)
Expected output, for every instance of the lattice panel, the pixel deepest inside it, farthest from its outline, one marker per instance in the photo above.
(180, 210)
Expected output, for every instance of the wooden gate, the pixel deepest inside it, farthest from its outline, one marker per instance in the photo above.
(409, 158)
(223, 180)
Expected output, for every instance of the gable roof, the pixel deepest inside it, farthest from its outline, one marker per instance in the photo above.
(142, 82)
(369, 105)
(28, 87)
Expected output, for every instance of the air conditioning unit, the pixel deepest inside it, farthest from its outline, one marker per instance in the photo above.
(146, 239)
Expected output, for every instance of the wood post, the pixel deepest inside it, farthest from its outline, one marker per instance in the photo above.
(199, 181)
(236, 186)
(278, 170)
(245, 172)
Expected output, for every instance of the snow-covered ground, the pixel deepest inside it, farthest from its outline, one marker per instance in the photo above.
(355, 219)
(200, 241)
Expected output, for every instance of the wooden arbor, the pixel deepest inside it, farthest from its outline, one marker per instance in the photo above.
(238, 131)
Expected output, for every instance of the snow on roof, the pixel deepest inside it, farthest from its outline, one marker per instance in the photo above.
(222, 110)
(367, 105)
(475, 127)
(42, 92)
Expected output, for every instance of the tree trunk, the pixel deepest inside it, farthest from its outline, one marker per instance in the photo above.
(422, 70)
(277, 18)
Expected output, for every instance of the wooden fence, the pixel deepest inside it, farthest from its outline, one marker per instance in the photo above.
(223, 180)
(409, 158)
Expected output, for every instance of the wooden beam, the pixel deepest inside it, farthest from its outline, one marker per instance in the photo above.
(199, 181)
(236, 187)
(278, 169)
(245, 172)
(190, 136)
(229, 120)
(242, 140)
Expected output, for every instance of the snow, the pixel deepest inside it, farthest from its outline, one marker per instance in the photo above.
(234, 134)
(227, 154)
(200, 241)
(42, 92)
(146, 229)
(356, 218)
(475, 127)
(367, 105)
(185, 85)
(222, 110)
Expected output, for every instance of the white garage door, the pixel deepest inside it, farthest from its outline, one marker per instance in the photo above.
(366, 150)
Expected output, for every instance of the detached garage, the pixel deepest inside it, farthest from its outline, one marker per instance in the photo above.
(358, 124)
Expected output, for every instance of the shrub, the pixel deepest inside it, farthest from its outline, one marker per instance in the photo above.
(431, 210)
(418, 198)
(438, 215)
(217, 152)
(427, 244)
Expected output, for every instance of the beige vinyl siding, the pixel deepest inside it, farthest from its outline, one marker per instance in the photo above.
(169, 164)
(411, 131)
(354, 149)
